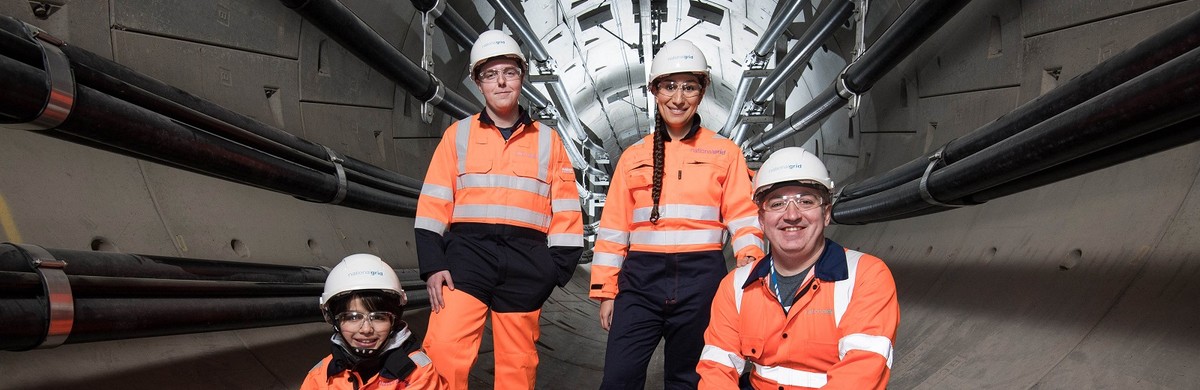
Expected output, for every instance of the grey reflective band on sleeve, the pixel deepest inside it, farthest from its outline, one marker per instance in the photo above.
(341, 176)
(61, 80)
(60, 302)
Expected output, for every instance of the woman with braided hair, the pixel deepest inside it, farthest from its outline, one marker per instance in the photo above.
(675, 198)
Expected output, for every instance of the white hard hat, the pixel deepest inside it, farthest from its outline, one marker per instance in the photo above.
(494, 43)
(678, 56)
(361, 272)
(791, 164)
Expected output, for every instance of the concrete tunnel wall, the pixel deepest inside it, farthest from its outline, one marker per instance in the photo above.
(1087, 283)
(1092, 282)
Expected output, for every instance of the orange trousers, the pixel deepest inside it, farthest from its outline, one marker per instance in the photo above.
(452, 342)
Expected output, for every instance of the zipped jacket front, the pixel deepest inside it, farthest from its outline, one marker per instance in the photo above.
(705, 198)
(476, 176)
(838, 334)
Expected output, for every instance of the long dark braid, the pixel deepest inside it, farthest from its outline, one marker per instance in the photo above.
(659, 140)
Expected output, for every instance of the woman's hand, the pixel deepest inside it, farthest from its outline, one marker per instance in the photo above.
(606, 313)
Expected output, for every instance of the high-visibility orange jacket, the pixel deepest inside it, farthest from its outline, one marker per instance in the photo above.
(838, 333)
(422, 378)
(397, 371)
(705, 193)
(476, 176)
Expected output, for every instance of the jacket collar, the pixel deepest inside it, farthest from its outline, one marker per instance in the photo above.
(691, 133)
(523, 118)
(830, 267)
(391, 363)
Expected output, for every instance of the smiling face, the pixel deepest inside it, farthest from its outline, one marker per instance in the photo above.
(366, 334)
(500, 94)
(796, 236)
(675, 107)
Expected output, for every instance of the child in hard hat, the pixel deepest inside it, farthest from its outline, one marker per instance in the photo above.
(674, 199)
(372, 347)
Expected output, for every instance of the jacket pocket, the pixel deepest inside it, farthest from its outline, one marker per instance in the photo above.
(751, 347)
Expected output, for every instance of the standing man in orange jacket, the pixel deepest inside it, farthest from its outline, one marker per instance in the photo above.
(812, 314)
(498, 225)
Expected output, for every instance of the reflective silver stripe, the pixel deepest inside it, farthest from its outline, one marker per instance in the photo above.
(677, 237)
(791, 377)
(843, 290)
(746, 242)
(420, 359)
(430, 224)
(740, 223)
(436, 191)
(564, 239)
(865, 342)
(559, 205)
(612, 235)
(639, 142)
(739, 279)
(483, 180)
(607, 259)
(462, 139)
(543, 151)
(725, 358)
(688, 211)
(501, 212)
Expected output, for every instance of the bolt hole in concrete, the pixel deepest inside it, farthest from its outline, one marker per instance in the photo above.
(1072, 260)
(104, 245)
(314, 247)
(239, 247)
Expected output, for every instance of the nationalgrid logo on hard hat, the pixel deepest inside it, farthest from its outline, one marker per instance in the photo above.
(365, 273)
(784, 167)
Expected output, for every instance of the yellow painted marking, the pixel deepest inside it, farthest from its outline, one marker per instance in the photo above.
(7, 225)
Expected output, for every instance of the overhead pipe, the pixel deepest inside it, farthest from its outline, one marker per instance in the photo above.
(820, 31)
(1157, 99)
(141, 133)
(806, 119)
(758, 59)
(339, 23)
(909, 31)
(114, 296)
(1165, 139)
(125, 84)
(730, 128)
(449, 21)
(822, 28)
(1167, 44)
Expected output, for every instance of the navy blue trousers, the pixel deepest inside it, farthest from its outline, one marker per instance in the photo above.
(661, 296)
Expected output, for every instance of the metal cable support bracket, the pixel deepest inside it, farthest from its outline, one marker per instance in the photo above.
(341, 176)
(924, 188)
(60, 302)
(439, 92)
(59, 78)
